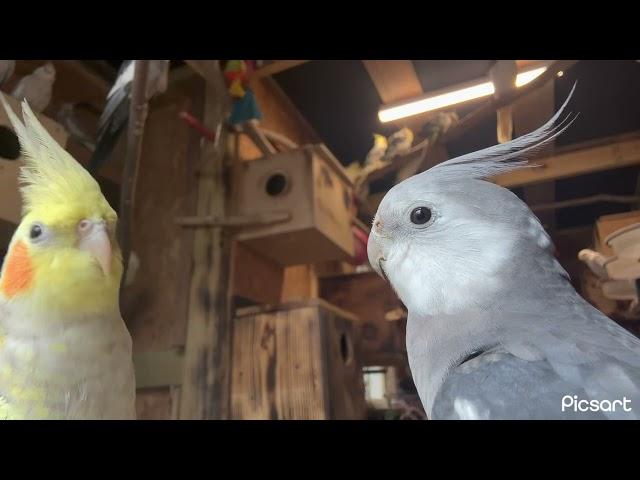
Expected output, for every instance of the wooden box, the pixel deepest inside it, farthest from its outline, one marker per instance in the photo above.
(299, 360)
(369, 297)
(10, 160)
(607, 224)
(311, 185)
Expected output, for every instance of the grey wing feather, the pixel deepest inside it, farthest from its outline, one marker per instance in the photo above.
(118, 95)
(114, 116)
(500, 386)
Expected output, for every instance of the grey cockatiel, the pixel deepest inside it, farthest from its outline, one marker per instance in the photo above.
(37, 87)
(7, 67)
(115, 115)
(495, 329)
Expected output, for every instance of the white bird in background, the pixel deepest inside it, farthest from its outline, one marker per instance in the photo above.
(377, 151)
(503, 74)
(438, 125)
(67, 117)
(7, 67)
(115, 115)
(399, 143)
(37, 87)
(132, 269)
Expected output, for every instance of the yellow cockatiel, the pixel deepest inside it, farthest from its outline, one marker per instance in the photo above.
(65, 352)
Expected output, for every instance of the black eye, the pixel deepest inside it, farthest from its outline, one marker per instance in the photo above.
(420, 215)
(35, 232)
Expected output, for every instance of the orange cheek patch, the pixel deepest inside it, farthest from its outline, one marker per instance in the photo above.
(18, 272)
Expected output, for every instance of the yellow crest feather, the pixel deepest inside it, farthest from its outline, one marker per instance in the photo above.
(50, 175)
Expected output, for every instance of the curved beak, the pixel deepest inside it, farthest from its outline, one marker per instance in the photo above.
(376, 257)
(96, 242)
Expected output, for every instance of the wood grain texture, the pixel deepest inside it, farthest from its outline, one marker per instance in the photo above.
(278, 367)
(316, 195)
(300, 362)
(205, 389)
(579, 162)
(156, 303)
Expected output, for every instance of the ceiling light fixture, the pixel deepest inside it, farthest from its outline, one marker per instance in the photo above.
(448, 97)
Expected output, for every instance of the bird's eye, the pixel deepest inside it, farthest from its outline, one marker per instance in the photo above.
(35, 232)
(420, 215)
(84, 225)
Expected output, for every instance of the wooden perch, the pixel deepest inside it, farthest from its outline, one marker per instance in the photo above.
(577, 202)
(279, 139)
(276, 66)
(135, 130)
(235, 221)
(258, 137)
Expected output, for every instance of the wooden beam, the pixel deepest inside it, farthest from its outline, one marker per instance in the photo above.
(276, 66)
(258, 138)
(290, 108)
(613, 154)
(208, 69)
(206, 381)
(578, 202)
(395, 80)
(235, 221)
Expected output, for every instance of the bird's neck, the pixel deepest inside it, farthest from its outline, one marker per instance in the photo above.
(436, 344)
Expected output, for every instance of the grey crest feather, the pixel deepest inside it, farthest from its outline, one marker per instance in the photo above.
(505, 157)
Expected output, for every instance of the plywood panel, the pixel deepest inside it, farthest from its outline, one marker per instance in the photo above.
(296, 361)
(278, 367)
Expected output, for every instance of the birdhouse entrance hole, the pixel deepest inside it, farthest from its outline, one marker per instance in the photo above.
(345, 348)
(277, 184)
(9, 144)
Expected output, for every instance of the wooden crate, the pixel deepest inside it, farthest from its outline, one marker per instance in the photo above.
(299, 360)
(607, 224)
(369, 297)
(310, 184)
(10, 201)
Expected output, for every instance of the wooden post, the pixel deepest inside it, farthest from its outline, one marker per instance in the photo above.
(206, 377)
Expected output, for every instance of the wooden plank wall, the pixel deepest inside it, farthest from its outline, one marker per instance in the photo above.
(155, 306)
(156, 303)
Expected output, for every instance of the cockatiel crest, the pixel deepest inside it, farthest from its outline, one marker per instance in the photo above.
(58, 194)
(52, 181)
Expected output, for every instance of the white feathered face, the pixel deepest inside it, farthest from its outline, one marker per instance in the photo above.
(441, 246)
(443, 238)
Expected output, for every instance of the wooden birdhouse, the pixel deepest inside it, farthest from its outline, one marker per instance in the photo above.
(10, 160)
(309, 184)
(296, 361)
